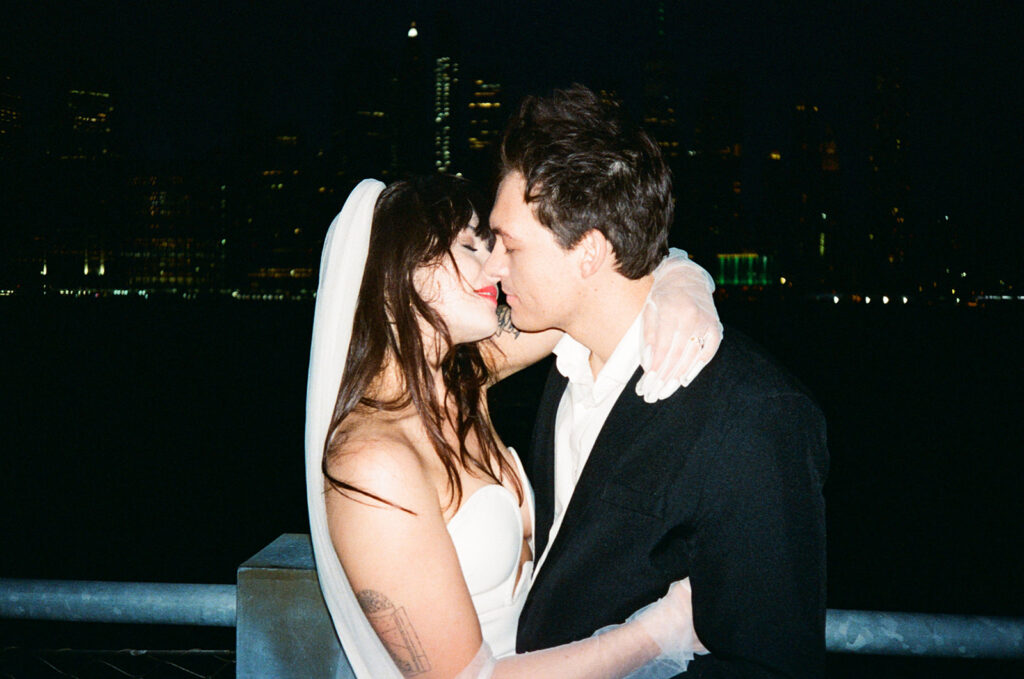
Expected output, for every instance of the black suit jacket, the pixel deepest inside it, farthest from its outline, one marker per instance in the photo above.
(722, 483)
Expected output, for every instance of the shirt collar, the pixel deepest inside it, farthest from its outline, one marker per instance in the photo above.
(573, 359)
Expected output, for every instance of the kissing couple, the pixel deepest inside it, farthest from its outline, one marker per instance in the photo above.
(669, 516)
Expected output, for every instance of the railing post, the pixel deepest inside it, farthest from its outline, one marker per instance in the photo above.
(284, 630)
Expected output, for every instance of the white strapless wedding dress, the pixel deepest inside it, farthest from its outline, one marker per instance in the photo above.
(487, 531)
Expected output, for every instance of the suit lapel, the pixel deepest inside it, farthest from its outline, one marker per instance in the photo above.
(542, 463)
(613, 444)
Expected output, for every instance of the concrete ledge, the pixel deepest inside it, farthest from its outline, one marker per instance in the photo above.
(284, 630)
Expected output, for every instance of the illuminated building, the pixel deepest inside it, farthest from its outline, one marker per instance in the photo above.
(710, 192)
(363, 134)
(274, 218)
(88, 124)
(11, 117)
(12, 179)
(661, 96)
(446, 92)
(78, 246)
(486, 120)
(889, 233)
(446, 78)
(803, 200)
(170, 250)
(743, 269)
(609, 95)
(414, 108)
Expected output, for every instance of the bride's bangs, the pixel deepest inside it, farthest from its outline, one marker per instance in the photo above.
(415, 223)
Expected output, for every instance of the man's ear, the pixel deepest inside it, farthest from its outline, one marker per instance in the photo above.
(593, 249)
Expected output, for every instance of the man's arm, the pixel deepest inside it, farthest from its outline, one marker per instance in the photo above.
(510, 350)
(758, 552)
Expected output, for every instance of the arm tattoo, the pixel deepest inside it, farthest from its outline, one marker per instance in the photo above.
(505, 321)
(395, 631)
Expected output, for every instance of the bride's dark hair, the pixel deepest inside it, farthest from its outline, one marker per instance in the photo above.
(415, 223)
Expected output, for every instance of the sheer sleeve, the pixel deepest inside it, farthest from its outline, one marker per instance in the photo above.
(682, 330)
(656, 642)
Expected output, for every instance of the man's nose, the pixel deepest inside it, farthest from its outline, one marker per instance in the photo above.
(495, 265)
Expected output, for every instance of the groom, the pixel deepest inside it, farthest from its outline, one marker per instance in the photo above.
(720, 482)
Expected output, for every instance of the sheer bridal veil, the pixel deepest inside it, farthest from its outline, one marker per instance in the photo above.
(341, 272)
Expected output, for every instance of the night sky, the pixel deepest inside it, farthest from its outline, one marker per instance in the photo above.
(182, 71)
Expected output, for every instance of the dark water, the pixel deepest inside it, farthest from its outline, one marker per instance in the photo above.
(163, 441)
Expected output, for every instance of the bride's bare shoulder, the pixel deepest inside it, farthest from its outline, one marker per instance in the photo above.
(385, 463)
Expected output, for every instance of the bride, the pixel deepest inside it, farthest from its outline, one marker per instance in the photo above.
(421, 518)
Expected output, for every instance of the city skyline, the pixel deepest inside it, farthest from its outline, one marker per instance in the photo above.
(173, 63)
(184, 93)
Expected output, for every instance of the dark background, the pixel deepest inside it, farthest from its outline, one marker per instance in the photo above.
(186, 74)
(161, 439)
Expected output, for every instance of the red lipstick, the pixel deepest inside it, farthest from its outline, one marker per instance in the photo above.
(490, 292)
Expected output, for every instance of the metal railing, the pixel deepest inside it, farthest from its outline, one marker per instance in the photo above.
(846, 631)
(278, 591)
(157, 603)
(924, 634)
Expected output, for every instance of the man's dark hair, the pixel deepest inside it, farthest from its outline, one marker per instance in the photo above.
(588, 166)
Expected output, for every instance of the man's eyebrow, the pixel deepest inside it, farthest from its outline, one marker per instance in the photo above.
(498, 231)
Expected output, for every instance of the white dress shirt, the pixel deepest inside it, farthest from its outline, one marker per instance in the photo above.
(583, 409)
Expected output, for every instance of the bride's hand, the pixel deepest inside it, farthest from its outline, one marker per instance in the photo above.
(681, 327)
(656, 642)
(669, 621)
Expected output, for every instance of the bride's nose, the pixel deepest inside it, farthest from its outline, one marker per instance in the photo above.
(484, 277)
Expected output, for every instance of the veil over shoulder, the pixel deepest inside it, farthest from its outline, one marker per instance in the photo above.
(341, 272)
